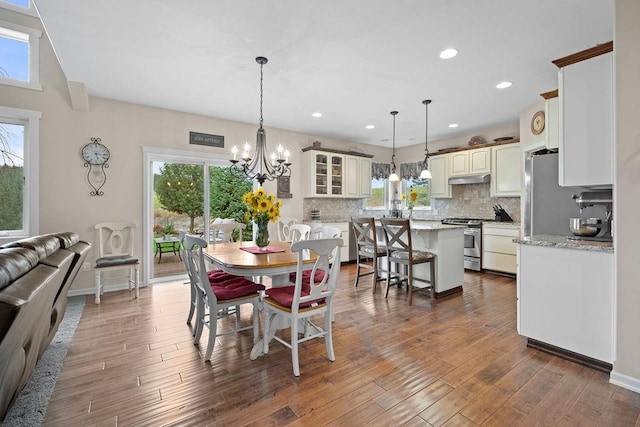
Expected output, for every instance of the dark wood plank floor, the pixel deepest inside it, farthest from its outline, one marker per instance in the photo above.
(456, 361)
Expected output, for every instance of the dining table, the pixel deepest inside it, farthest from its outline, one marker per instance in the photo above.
(276, 261)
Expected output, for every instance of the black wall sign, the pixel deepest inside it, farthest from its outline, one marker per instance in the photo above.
(206, 139)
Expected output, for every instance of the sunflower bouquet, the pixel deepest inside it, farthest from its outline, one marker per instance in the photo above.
(411, 202)
(261, 208)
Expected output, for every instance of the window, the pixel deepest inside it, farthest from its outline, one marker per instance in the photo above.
(18, 173)
(21, 6)
(421, 188)
(379, 186)
(19, 62)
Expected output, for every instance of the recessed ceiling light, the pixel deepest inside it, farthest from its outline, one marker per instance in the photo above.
(317, 114)
(503, 85)
(448, 53)
(453, 125)
(369, 126)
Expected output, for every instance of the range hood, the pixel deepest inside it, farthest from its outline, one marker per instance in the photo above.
(470, 179)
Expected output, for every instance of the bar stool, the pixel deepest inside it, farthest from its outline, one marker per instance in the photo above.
(400, 252)
(369, 252)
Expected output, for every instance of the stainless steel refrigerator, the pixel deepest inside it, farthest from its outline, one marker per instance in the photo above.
(547, 206)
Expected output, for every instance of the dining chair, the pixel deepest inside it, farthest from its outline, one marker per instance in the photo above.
(397, 233)
(325, 232)
(299, 232)
(115, 252)
(223, 232)
(299, 302)
(282, 227)
(219, 297)
(369, 251)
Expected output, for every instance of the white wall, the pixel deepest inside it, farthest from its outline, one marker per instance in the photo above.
(626, 368)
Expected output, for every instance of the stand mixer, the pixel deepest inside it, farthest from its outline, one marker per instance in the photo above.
(600, 197)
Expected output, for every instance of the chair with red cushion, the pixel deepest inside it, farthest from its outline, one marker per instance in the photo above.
(214, 277)
(319, 232)
(298, 304)
(219, 297)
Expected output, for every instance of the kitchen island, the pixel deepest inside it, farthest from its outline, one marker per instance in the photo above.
(565, 298)
(447, 243)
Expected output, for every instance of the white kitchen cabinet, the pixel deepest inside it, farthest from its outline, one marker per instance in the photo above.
(470, 162)
(498, 248)
(551, 114)
(439, 187)
(324, 174)
(586, 122)
(506, 171)
(357, 177)
(565, 299)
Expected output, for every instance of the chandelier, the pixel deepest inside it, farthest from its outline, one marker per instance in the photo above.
(259, 166)
(426, 174)
(394, 176)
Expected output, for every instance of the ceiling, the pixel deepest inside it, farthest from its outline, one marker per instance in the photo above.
(354, 61)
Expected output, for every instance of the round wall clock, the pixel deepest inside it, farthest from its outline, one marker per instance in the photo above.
(537, 123)
(95, 156)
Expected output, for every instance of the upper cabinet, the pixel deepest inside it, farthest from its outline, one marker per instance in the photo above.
(506, 171)
(586, 117)
(439, 187)
(470, 162)
(334, 174)
(357, 177)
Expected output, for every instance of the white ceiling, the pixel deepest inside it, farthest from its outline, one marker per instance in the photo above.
(354, 61)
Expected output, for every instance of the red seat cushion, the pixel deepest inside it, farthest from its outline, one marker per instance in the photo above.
(306, 278)
(235, 288)
(219, 276)
(284, 296)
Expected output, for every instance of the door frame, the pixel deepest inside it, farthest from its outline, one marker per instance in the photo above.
(155, 154)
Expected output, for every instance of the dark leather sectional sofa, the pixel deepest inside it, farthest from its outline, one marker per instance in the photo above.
(35, 275)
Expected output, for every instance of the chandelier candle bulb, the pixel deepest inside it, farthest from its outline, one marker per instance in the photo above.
(234, 151)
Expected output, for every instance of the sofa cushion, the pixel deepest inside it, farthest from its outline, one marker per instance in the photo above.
(67, 239)
(15, 263)
(44, 245)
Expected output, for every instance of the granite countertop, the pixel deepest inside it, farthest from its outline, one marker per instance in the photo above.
(554, 241)
(419, 224)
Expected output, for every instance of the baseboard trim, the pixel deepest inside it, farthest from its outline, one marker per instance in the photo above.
(449, 292)
(571, 356)
(625, 381)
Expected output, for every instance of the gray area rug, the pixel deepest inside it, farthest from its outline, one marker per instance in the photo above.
(31, 405)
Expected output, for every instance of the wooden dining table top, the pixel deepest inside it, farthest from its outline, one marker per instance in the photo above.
(230, 256)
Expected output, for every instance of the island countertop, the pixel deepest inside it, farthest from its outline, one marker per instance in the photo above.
(417, 224)
(554, 241)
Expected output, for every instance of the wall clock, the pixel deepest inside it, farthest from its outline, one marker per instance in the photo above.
(95, 156)
(537, 123)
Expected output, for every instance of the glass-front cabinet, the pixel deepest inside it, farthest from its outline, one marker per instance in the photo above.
(336, 174)
(326, 171)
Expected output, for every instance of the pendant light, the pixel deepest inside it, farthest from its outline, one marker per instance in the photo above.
(394, 176)
(260, 167)
(426, 174)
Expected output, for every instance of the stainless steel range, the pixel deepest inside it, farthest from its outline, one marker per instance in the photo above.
(472, 240)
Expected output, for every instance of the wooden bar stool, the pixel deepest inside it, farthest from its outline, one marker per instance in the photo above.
(397, 234)
(369, 251)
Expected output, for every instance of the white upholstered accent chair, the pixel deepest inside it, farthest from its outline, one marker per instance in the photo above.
(219, 297)
(115, 250)
(300, 301)
(397, 233)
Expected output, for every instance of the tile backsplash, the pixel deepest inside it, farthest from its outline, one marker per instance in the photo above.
(469, 200)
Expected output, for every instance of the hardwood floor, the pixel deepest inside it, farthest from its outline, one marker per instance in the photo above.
(457, 361)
